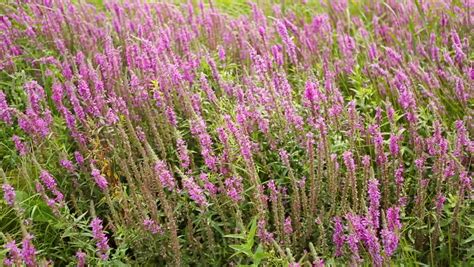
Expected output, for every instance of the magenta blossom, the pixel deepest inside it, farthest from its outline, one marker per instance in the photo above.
(99, 179)
(100, 238)
(9, 194)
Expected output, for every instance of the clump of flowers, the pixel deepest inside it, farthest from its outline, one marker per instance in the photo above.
(297, 133)
(99, 179)
(100, 238)
(9, 194)
(195, 192)
(152, 226)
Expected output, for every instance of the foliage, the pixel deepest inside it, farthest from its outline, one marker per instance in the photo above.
(236, 133)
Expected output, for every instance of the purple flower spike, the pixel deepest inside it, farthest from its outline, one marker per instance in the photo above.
(99, 179)
(9, 194)
(100, 238)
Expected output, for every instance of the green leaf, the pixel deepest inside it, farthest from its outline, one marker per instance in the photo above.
(241, 249)
(238, 236)
(253, 231)
(118, 263)
(259, 255)
(470, 239)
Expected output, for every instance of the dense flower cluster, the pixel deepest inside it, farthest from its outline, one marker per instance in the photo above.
(100, 237)
(26, 255)
(291, 134)
(9, 194)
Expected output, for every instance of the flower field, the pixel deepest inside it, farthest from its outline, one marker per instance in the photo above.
(235, 133)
